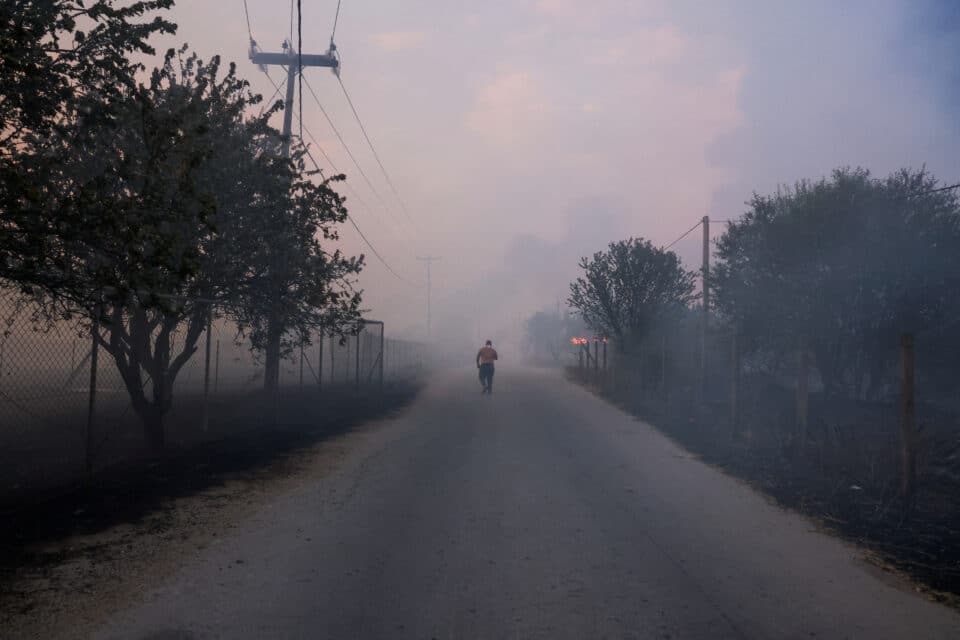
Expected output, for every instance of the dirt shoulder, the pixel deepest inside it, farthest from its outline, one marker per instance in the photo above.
(917, 541)
(71, 560)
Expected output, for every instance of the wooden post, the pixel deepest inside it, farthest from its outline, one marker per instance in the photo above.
(803, 396)
(734, 384)
(910, 436)
(92, 397)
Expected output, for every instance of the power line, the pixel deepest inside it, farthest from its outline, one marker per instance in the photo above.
(336, 18)
(246, 11)
(685, 234)
(937, 190)
(376, 155)
(398, 229)
(366, 241)
(278, 88)
(330, 161)
(343, 142)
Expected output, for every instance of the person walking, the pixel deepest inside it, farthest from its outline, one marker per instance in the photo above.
(485, 359)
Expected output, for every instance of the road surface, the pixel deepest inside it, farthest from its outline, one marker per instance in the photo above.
(539, 512)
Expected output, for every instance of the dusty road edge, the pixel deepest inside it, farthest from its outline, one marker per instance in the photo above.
(881, 566)
(103, 573)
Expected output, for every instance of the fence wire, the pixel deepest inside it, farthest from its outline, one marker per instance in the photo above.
(45, 388)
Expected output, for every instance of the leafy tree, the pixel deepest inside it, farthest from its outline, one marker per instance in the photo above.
(173, 202)
(848, 263)
(627, 289)
(56, 52)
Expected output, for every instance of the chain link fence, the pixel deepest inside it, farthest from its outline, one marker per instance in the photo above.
(883, 466)
(56, 424)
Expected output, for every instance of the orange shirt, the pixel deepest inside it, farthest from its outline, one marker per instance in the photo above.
(487, 355)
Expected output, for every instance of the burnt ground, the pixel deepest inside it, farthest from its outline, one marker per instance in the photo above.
(844, 475)
(540, 511)
(57, 540)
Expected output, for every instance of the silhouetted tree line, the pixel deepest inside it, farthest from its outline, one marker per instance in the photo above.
(843, 265)
(140, 201)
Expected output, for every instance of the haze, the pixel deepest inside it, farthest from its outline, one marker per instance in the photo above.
(522, 135)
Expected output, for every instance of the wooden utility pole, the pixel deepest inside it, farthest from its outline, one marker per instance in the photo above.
(429, 260)
(294, 64)
(910, 438)
(705, 320)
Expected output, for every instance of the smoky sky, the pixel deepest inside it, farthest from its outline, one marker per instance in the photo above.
(524, 134)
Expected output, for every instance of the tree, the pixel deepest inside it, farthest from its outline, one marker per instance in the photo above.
(627, 289)
(145, 218)
(846, 263)
(57, 52)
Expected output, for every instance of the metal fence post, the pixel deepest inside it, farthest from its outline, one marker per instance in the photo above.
(333, 371)
(320, 362)
(206, 372)
(734, 385)
(596, 358)
(92, 398)
(301, 364)
(383, 354)
(356, 366)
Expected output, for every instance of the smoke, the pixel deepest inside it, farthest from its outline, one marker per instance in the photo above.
(524, 135)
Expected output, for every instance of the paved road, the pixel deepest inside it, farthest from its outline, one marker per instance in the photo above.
(539, 512)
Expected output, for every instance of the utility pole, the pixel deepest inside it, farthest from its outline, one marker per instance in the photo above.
(294, 64)
(705, 322)
(429, 260)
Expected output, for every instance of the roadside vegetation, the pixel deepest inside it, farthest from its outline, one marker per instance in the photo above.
(827, 371)
(136, 204)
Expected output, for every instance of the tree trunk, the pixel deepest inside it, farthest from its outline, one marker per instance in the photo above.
(133, 355)
(153, 429)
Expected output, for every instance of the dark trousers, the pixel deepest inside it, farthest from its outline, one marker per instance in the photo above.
(486, 375)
